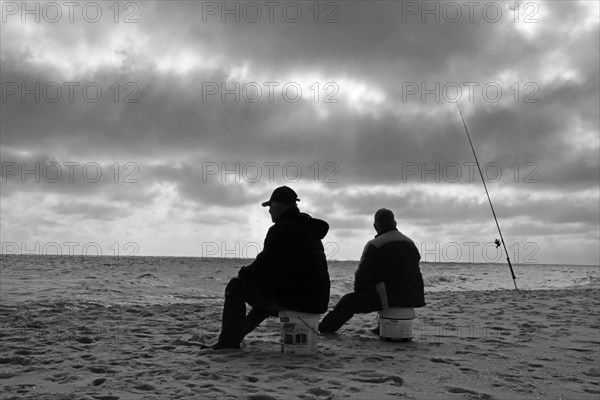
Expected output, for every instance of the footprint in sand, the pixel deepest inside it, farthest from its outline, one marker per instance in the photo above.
(98, 382)
(331, 365)
(511, 378)
(373, 359)
(85, 340)
(145, 386)
(592, 372)
(472, 393)
(440, 360)
(320, 392)
(101, 370)
(366, 376)
(536, 365)
(16, 360)
(592, 391)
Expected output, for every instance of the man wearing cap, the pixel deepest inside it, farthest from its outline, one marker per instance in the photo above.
(289, 273)
(388, 275)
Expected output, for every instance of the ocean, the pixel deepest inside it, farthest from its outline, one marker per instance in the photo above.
(108, 280)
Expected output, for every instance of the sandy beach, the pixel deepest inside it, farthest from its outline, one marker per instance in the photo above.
(467, 345)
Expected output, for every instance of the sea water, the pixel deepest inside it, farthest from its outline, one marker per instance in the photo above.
(108, 280)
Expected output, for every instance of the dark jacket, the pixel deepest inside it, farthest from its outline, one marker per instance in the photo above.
(292, 269)
(390, 265)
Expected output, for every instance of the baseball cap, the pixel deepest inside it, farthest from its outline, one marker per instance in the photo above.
(282, 194)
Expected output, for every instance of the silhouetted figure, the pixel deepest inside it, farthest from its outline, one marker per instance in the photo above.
(289, 273)
(388, 275)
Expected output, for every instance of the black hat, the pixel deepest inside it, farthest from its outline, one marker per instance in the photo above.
(282, 194)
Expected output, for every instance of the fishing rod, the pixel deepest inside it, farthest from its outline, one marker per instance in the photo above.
(489, 199)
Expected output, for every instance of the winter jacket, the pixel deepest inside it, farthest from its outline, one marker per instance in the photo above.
(292, 268)
(390, 263)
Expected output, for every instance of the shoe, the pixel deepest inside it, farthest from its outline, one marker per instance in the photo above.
(223, 346)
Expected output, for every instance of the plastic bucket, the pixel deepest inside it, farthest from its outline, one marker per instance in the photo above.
(396, 323)
(299, 332)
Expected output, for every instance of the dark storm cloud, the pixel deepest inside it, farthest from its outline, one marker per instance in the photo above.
(46, 172)
(426, 207)
(91, 211)
(203, 188)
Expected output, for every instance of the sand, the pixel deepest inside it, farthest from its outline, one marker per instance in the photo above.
(467, 345)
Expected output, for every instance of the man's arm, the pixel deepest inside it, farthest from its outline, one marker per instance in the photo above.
(363, 277)
(262, 267)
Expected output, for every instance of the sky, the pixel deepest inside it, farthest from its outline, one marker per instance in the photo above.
(158, 127)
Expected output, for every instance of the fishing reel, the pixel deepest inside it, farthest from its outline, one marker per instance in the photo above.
(497, 243)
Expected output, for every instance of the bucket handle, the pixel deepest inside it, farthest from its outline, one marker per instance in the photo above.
(307, 325)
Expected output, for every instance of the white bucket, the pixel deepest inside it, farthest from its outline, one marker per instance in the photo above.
(299, 332)
(396, 323)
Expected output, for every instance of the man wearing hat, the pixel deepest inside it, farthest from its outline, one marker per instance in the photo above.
(388, 275)
(289, 273)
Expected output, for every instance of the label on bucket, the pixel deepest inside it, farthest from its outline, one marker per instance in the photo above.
(299, 334)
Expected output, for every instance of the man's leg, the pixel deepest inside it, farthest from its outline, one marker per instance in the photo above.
(236, 324)
(254, 318)
(234, 313)
(350, 304)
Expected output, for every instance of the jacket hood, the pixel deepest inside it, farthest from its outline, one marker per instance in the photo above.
(315, 226)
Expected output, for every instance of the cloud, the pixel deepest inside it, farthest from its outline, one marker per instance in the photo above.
(393, 138)
(91, 211)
